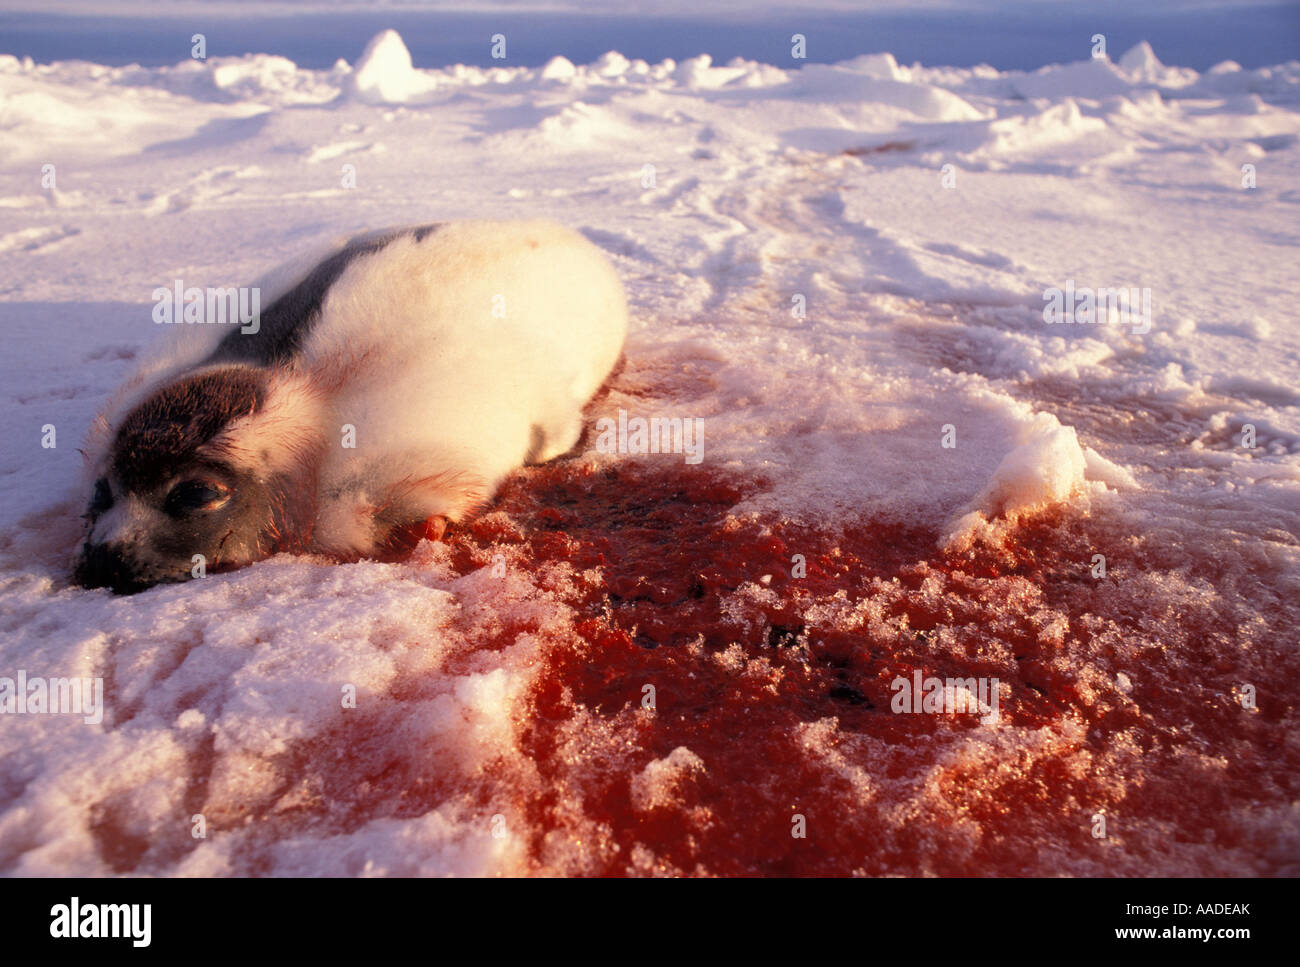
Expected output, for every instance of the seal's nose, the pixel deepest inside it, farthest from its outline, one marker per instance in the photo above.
(105, 566)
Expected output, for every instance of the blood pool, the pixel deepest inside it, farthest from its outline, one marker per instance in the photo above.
(1118, 693)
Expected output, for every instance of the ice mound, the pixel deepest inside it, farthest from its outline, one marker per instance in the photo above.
(256, 79)
(558, 68)
(1056, 125)
(699, 74)
(251, 76)
(1141, 63)
(1142, 66)
(614, 64)
(1094, 78)
(880, 66)
(385, 75)
(578, 126)
(39, 115)
(833, 83)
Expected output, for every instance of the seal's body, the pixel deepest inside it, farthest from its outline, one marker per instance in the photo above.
(393, 382)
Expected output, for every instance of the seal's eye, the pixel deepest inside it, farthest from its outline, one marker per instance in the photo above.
(101, 498)
(195, 496)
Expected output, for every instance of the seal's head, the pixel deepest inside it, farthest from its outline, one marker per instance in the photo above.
(172, 485)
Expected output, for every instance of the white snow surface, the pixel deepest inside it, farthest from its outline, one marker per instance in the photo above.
(728, 195)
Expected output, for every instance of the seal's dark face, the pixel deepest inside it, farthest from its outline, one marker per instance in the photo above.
(168, 506)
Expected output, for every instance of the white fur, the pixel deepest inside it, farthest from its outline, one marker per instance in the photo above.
(443, 386)
(443, 394)
(181, 347)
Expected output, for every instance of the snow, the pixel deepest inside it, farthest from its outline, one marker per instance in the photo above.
(809, 278)
(658, 783)
(384, 75)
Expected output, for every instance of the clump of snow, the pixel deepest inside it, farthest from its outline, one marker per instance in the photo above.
(660, 782)
(1046, 466)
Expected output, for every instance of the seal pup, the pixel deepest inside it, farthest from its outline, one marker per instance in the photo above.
(388, 387)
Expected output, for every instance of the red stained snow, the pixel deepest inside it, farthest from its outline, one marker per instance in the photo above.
(782, 691)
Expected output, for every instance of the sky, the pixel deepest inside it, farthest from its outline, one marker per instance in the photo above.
(962, 33)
